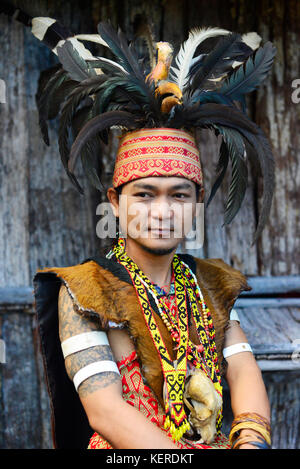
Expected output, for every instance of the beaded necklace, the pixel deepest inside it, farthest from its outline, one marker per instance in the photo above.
(203, 356)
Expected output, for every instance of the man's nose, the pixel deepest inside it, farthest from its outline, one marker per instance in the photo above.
(162, 209)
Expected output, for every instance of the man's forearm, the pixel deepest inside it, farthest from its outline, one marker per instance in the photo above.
(123, 426)
(247, 389)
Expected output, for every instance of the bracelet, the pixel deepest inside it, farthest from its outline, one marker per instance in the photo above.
(253, 426)
(257, 441)
(255, 422)
(252, 417)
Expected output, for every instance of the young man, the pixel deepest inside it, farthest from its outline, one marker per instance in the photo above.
(125, 374)
(142, 332)
(127, 426)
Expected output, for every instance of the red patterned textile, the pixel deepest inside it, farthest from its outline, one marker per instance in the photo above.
(137, 394)
(157, 152)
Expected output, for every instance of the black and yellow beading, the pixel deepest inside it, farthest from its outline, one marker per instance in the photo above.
(186, 290)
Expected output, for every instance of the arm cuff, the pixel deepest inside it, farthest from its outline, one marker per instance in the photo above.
(93, 369)
(236, 348)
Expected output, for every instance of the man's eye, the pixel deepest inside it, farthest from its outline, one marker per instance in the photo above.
(180, 195)
(143, 194)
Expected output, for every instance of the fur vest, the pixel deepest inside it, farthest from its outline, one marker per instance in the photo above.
(101, 288)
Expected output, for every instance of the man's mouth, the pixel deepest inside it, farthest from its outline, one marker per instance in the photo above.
(161, 231)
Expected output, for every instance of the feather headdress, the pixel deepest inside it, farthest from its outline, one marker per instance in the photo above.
(194, 90)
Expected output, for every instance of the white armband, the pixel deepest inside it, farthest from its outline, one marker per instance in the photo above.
(79, 342)
(236, 348)
(93, 369)
(234, 315)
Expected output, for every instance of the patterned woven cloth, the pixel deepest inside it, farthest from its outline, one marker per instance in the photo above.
(140, 396)
(157, 152)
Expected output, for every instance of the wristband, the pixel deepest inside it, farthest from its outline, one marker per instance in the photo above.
(236, 348)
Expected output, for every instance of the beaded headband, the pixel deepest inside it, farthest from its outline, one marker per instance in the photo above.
(157, 152)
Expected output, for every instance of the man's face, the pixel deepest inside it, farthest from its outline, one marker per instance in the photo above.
(157, 212)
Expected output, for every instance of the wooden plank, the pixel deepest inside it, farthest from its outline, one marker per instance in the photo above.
(14, 211)
(276, 285)
(16, 296)
(270, 326)
(267, 302)
(20, 392)
(283, 392)
(278, 365)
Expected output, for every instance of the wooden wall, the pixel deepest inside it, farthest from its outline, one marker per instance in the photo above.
(45, 222)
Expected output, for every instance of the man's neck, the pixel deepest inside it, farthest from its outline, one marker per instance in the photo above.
(156, 267)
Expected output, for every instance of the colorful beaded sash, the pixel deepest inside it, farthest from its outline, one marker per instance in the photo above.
(203, 356)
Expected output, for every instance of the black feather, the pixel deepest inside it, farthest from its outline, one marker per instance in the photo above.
(118, 45)
(98, 124)
(126, 56)
(107, 67)
(220, 170)
(80, 92)
(44, 96)
(241, 54)
(250, 75)
(73, 63)
(116, 83)
(232, 148)
(91, 153)
(263, 153)
(217, 62)
(239, 180)
(209, 114)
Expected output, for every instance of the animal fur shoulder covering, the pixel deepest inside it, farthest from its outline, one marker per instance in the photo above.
(97, 292)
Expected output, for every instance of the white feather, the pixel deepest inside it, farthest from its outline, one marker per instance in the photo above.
(81, 49)
(40, 25)
(183, 60)
(111, 62)
(252, 40)
(92, 38)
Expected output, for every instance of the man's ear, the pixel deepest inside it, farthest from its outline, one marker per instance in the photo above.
(113, 198)
(201, 195)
